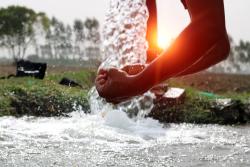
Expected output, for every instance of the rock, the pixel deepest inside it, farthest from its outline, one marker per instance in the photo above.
(223, 103)
(167, 108)
(231, 111)
(159, 90)
(173, 96)
(247, 110)
(69, 82)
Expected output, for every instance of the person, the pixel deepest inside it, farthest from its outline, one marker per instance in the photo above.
(203, 43)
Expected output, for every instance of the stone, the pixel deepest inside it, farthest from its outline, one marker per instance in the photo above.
(247, 110)
(159, 90)
(173, 96)
(230, 110)
(69, 82)
(167, 107)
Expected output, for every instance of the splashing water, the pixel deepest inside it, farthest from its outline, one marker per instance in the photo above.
(124, 33)
(90, 140)
(124, 44)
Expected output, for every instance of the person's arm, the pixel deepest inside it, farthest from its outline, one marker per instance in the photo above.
(216, 54)
(152, 31)
(190, 51)
(202, 43)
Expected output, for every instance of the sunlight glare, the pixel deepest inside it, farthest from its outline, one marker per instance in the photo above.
(163, 41)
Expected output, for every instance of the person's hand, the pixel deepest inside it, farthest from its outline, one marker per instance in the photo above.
(133, 69)
(116, 85)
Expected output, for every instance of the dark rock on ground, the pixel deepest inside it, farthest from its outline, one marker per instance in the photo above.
(69, 82)
(247, 110)
(230, 111)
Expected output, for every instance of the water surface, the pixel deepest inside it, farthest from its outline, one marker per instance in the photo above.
(116, 140)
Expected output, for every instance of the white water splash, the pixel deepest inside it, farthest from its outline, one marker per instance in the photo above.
(116, 140)
(124, 33)
(124, 44)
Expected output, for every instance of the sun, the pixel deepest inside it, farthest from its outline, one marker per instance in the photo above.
(163, 41)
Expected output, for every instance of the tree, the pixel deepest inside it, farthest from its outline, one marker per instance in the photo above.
(92, 48)
(92, 31)
(68, 46)
(243, 51)
(79, 30)
(238, 60)
(59, 39)
(17, 31)
(79, 37)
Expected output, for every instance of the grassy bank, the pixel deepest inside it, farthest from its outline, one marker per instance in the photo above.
(204, 108)
(28, 96)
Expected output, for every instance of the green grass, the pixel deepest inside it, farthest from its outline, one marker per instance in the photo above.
(85, 77)
(192, 92)
(199, 107)
(29, 96)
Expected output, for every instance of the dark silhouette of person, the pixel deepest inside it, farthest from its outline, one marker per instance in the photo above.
(203, 43)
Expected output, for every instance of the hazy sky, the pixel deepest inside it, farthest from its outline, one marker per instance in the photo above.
(172, 16)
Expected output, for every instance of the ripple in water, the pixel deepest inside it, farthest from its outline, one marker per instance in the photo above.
(91, 140)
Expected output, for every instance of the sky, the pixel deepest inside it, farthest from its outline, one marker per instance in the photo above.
(172, 16)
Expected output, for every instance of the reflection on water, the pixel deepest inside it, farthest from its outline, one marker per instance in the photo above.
(116, 140)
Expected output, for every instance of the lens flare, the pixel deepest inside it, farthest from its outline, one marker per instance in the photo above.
(163, 41)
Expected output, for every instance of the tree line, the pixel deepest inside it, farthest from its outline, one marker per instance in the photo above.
(238, 60)
(25, 33)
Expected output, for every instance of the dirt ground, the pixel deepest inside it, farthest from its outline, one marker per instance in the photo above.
(217, 83)
(203, 81)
